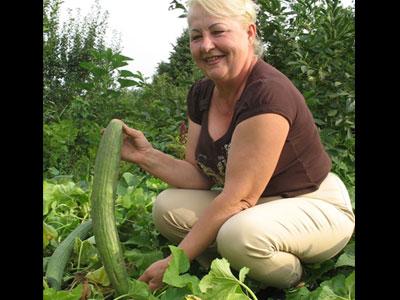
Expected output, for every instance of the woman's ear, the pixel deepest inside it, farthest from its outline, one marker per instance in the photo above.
(252, 32)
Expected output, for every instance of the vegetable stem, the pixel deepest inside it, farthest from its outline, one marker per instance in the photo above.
(248, 290)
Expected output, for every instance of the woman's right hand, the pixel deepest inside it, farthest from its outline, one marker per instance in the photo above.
(135, 146)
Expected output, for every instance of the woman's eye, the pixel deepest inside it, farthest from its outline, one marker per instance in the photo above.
(218, 32)
(196, 37)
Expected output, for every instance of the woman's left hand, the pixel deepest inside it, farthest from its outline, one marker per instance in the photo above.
(153, 275)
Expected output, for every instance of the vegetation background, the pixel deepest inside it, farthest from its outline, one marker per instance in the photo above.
(85, 86)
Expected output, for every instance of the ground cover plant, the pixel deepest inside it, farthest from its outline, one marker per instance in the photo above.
(86, 85)
(66, 204)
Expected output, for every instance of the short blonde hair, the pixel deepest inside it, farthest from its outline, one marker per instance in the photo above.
(244, 10)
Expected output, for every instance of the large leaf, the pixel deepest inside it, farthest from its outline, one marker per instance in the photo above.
(174, 293)
(52, 294)
(180, 264)
(99, 276)
(336, 288)
(220, 283)
(85, 252)
(139, 290)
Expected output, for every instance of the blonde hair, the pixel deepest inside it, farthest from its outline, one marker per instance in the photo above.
(244, 10)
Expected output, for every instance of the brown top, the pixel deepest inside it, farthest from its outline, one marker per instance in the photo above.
(303, 163)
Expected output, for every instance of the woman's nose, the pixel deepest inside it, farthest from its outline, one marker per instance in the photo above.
(207, 44)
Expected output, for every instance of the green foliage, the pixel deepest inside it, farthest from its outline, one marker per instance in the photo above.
(142, 244)
(84, 88)
(176, 275)
(180, 69)
(52, 294)
(339, 287)
(98, 276)
(313, 44)
(220, 283)
(49, 233)
(348, 256)
(64, 48)
(65, 205)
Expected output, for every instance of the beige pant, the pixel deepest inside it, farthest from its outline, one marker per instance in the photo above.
(271, 238)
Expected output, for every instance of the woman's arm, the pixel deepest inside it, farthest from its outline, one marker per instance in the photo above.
(254, 153)
(176, 172)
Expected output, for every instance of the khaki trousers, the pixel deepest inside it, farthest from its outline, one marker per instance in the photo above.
(271, 238)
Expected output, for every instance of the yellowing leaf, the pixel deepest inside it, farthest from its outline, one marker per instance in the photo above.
(99, 276)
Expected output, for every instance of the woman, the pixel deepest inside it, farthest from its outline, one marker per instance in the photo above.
(250, 131)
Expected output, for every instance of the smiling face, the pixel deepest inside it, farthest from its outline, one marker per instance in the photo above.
(221, 47)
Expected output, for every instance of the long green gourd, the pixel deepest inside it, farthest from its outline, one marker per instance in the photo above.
(58, 261)
(105, 178)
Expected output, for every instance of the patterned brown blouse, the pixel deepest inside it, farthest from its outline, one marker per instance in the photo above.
(303, 163)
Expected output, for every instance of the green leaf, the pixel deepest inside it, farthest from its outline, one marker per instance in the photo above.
(174, 293)
(127, 82)
(298, 294)
(139, 290)
(132, 196)
(180, 264)
(87, 65)
(48, 198)
(99, 276)
(52, 294)
(332, 112)
(348, 257)
(237, 296)
(315, 271)
(126, 73)
(118, 64)
(85, 252)
(98, 71)
(336, 288)
(49, 233)
(220, 283)
(350, 285)
(122, 57)
(142, 260)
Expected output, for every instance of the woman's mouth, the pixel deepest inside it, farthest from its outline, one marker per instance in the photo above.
(211, 60)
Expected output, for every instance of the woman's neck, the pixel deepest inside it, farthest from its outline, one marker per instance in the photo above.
(230, 91)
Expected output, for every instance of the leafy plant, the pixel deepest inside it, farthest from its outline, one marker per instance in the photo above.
(336, 288)
(312, 42)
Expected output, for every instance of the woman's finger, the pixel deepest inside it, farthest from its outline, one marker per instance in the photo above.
(154, 285)
(131, 131)
(144, 277)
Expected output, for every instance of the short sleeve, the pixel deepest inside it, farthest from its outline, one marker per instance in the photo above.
(270, 96)
(193, 110)
(198, 99)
